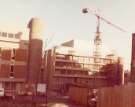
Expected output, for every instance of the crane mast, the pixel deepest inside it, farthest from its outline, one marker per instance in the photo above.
(97, 43)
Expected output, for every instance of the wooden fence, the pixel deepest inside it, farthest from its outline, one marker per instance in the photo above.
(118, 96)
(78, 95)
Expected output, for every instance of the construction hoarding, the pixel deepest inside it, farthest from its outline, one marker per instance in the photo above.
(118, 96)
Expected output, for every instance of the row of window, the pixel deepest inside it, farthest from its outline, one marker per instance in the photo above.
(11, 35)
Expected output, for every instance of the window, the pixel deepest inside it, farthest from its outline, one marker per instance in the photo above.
(10, 35)
(18, 35)
(4, 34)
(12, 71)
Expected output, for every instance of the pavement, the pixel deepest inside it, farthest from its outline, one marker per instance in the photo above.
(27, 101)
(62, 102)
(63, 105)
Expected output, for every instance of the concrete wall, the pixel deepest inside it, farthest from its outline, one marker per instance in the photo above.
(133, 59)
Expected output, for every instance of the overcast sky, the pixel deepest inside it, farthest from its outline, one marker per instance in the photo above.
(64, 20)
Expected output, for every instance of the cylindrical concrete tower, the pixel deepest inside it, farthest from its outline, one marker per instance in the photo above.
(35, 50)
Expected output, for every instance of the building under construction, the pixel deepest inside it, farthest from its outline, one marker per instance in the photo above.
(26, 70)
(65, 70)
(23, 68)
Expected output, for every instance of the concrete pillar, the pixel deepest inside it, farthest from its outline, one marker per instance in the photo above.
(120, 71)
(133, 59)
(35, 50)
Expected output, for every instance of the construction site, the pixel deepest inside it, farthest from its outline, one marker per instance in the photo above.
(33, 77)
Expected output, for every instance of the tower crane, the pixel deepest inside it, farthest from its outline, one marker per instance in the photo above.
(97, 39)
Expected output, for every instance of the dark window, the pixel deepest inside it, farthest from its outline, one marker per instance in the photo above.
(10, 35)
(4, 34)
(18, 35)
(12, 71)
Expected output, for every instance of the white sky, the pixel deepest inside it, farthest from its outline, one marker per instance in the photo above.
(63, 20)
